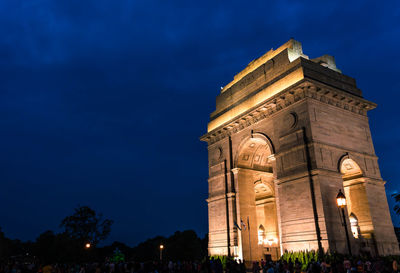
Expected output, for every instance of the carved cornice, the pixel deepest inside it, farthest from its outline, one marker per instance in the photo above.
(305, 89)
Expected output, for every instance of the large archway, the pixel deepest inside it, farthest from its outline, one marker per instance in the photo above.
(357, 202)
(256, 200)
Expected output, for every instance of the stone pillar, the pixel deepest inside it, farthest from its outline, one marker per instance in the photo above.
(384, 235)
(357, 203)
(247, 211)
(238, 249)
(332, 229)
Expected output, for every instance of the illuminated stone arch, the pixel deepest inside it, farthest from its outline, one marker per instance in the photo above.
(254, 164)
(358, 208)
(263, 189)
(255, 152)
(349, 168)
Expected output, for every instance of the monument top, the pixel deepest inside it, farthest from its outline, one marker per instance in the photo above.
(294, 48)
(267, 76)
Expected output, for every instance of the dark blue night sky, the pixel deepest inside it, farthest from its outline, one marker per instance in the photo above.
(102, 102)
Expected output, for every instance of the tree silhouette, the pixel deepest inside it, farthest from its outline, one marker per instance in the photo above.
(2, 244)
(85, 226)
(397, 199)
(181, 246)
(46, 246)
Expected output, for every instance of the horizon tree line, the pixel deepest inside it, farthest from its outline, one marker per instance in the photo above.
(85, 226)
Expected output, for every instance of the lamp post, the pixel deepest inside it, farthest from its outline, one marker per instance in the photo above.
(161, 249)
(88, 245)
(341, 202)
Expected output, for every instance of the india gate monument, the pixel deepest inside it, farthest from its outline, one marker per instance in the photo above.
(287, 134)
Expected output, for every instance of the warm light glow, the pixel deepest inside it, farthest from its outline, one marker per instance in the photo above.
(161, 246)
(88, 245)
(260, 235)
(257, 99)
(353, 221)
(270, 241)
(354, 225)
(354, 230)
(341, 199)
(350, 169)
(341, 202)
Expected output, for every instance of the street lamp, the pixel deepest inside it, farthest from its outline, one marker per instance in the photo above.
(161, 249)
(87, 245)
(341, 202)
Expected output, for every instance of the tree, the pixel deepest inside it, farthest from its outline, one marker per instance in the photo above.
(46, 246)
(397, 199)
(183, 246)
(2, 244)
(85, 225)
(107, 251)
(9, 247)
(148, 250)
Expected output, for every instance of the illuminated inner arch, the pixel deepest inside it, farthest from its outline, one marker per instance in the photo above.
(262, 190)
(350, 169)
(257, 197)
(255, 155)
(357, 203)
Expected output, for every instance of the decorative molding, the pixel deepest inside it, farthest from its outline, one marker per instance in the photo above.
(306, 89)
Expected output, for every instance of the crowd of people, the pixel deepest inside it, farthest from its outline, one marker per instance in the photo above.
(355, 265)
(209, 265)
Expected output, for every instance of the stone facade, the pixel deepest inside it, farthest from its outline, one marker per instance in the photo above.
(289, 132)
